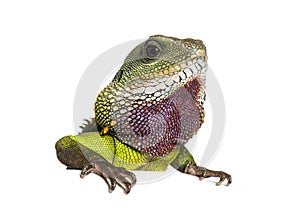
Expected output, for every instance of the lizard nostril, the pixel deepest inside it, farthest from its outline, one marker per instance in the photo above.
(201, 52)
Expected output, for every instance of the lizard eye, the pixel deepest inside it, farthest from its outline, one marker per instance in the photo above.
(152, 50)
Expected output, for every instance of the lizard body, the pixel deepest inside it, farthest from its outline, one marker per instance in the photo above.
(144, 117)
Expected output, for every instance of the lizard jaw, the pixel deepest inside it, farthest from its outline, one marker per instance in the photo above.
(196, 67)
(159, 85)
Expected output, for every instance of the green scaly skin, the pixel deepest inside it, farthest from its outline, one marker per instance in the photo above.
(143, 117)
(111, 149)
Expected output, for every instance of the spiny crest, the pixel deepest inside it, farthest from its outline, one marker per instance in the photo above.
(89, 126)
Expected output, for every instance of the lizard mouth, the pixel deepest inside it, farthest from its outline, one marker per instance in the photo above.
(190, 70)
(157, 87)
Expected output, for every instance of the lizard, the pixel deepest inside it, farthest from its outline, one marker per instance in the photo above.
(145, 116)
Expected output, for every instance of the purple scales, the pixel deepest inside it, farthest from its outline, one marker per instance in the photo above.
(157, 127)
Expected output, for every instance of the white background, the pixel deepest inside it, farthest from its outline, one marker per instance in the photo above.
(253, 49)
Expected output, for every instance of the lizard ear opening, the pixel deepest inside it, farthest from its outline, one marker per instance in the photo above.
(118, 75)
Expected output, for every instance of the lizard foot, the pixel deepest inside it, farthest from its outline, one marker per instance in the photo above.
(202, 173)
(112, 175)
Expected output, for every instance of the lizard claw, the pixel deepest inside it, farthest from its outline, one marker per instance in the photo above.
(223, 176)
(112, 175)
(202, 173)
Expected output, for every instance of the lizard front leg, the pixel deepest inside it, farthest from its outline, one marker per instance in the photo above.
(202, 173)
(77, 156)
(185, 163)
(112, 175)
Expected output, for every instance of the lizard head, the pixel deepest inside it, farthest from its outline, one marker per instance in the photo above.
(159, 86)
(178, 60)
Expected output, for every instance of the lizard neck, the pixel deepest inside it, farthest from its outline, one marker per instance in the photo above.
(154, 113)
